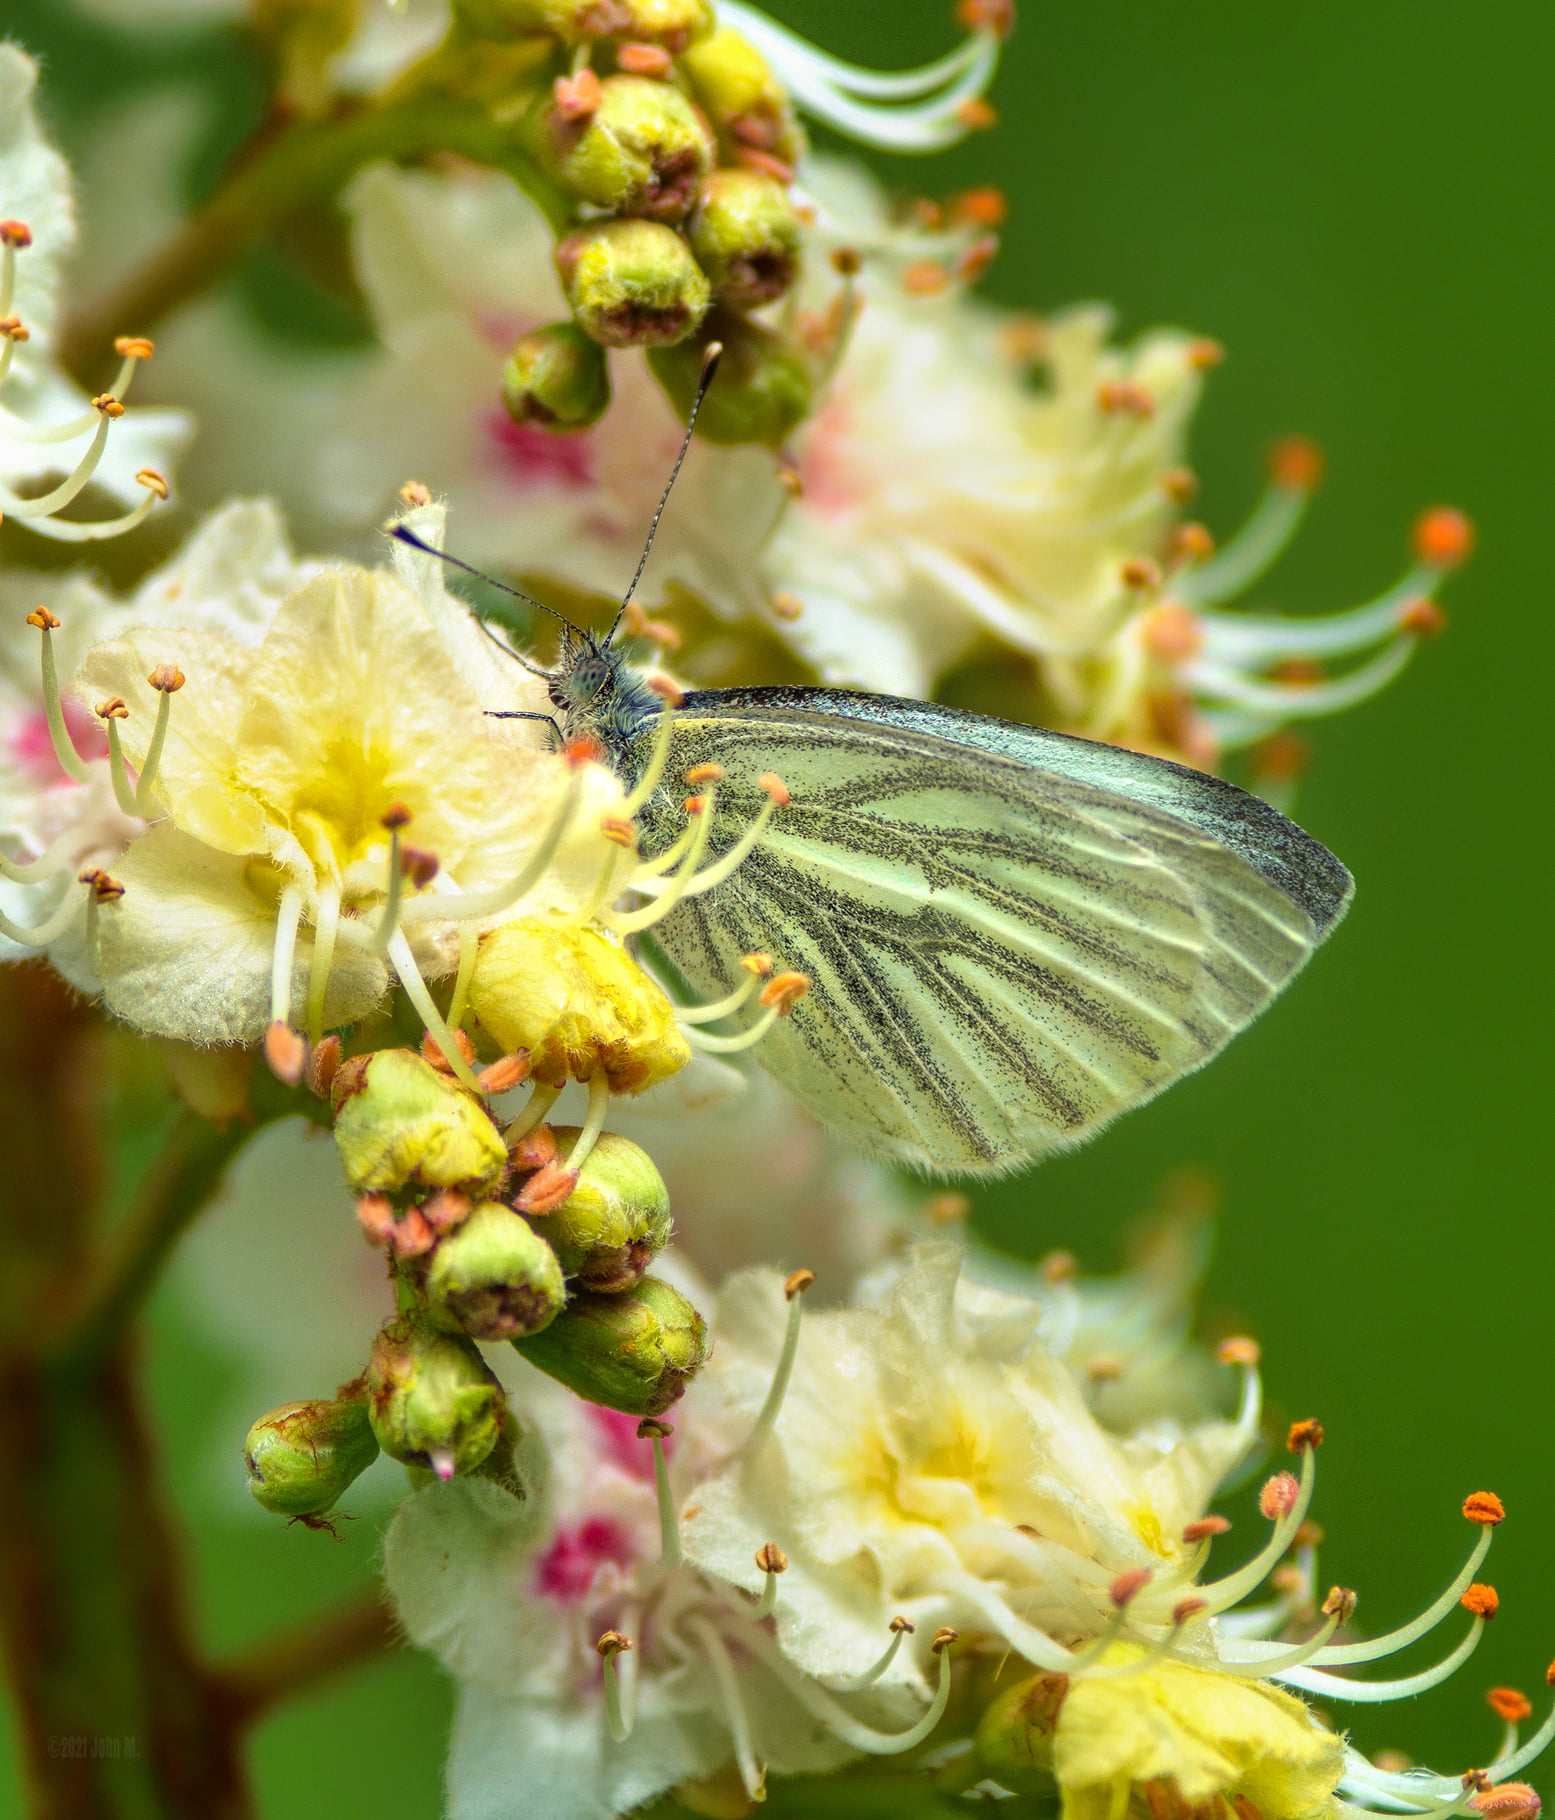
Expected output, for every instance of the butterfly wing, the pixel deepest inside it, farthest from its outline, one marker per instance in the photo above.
(1011, 935)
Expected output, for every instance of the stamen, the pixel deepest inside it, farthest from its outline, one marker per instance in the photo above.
(13, 234)
(1511, 1707)
(60, 853)
(599, 894)
(794, 1290)
(111, 712)
(100, 889)
(779, 996)
(837, 1720)
(1427, 1620)
(68, 531)
(167, 680)
(457, 906)
(739, 1726)
(611, 1645)
(1222, 1594)
(668, 892)
(1294, 470)
(731, 1002)
(40, 934)
(393, 818)
(104, 409)
(853, 1684)
(1244, 1353)
(651, 1429)
(1317, 1681)
(326, 923)
(469, 953)
(1337, 1610)
(539, 1103)
(283, 954)
(772, 1562)
(70, 761)
(658, 758)
(404, 964)
(715, 874)
(1123, 1591)
(594, 1124)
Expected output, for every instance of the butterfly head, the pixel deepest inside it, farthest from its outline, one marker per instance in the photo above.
(597, 693)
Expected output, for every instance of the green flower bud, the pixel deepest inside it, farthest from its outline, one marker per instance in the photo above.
(632, 284)
(745, 235)
(672, 23)
(433, 1401)
(643, 151)
(1014, 1739)
(557, 377)
(399, 1123)
(764, 386)
(617, 1219)
(740, 95)
(302, 1456)
(635, 1351)
(493, 1278)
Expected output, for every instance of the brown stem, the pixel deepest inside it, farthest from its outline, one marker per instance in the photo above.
(299, 1658)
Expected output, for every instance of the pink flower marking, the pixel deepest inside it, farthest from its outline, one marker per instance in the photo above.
(567, 1568)
(534, 458)
(33, 750)
(617, 1435)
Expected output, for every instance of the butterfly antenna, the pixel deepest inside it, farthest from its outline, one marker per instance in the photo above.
(710, 359)
(407, 536)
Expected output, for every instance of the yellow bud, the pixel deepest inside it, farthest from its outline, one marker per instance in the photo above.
(739, 93)
(643, 150)
(632, 284)
(579, 1003)
(399, 1123)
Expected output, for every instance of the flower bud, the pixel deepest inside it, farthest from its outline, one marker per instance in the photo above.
(433, 1401)
(737, 90)
(302, 1456)
(745, 235)
(635, 1351)
(557, 377)
(494, 1278)
(1014, 1738)
(399, 1123)
(672, 23)
(579, 1003)
(764, 384)
(617, 1219)
(643, 151)
(632, 283)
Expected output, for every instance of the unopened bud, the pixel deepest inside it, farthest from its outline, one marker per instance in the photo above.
(764, 386)
(433, 1402)
(557, 377)
(302, 1456)
(632, 284)
(635, 1351)
(1014, 1738)
(493, 1277)
(673, 24)
(643, 149)
(617, 1218)
(400, 1123)
(745, 235)
(741, 96)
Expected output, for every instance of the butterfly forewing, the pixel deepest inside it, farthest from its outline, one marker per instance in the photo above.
(1003, 954)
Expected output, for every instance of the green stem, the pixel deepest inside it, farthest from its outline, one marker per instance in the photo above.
(303, 164)
(300, 1657)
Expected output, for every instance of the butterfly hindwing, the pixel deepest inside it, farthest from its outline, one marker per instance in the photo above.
(1009, 938)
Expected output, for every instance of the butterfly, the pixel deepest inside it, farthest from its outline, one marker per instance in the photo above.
(1011, 935)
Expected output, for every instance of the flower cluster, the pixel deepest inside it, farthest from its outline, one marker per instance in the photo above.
(895, 1530)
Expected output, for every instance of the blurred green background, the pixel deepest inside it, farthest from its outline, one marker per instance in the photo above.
(1355, 200)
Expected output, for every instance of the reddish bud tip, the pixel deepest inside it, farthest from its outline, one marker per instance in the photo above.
(1443, 537)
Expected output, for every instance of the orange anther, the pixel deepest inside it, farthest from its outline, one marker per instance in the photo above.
(535, 1149)
(413, 493)
(106, 889)
(1310, 1535)
(431, 1051)
(1192, 542)
(153, 482)
(1238, 1350)
(984, 206)
(948, 1209)
(619, 830)
(15, 233)
(167, 679)
(1443, 537)
(1180, 485)
(646, 60)
(577, 97)
(1278, 1495)
(783, 991)
(1482, 1601)
(419, 866)
(1058, 1267)
(546, 1190)
(43, 619)
(1508, 1801)
(1024, 339)
(1141, 572)
(775, 788)
(754, 159)
(1484, 1507)
(785, 605)
(446, 1209)
(943, 1638)
(112, 709)
(1508, 1704)
(613, 1643)
(1104, 1370)
(797, 1283)
(1305, 1434)
(1187, 1608)
(666, 690)
(286, 1052)
(12, 329)
(108, 405)
(322, 1064)
(976, 259)
(1204, 354)
(396, 816)
(505, 1073)
(1127, 1585)
(1423, 618)
(1298, 672)
(584, 750)
(1339, 1604)
(902, 1626)
(704, 774)
(1281, 758)
(1202, 1528)
(1171, 632)
(758, 964)
(996, 16)
(925, 278)
(650, 1428)
(1116, 396)
(771, 1559)
(375, 1214)
(694, 805)
(977, 115)
(137, 345)
(847, 261)
(1296, 463)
